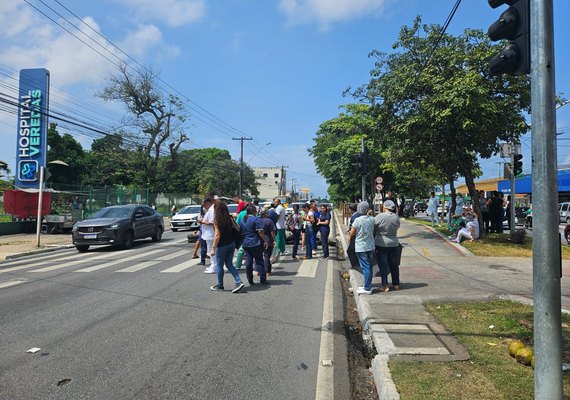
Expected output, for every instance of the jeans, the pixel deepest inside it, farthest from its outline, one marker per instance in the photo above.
(225, 255)
(296, 239)
(203, 251)
(312, 237)
(365, 259)
(325, 231)
(254, 254)
(388, 262)
(308, 241)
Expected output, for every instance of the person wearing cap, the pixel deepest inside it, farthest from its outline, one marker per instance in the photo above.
(387, 245)
(363, 231)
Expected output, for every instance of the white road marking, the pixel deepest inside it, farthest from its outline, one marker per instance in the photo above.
(33, 263)
(308, 268)
(139, 266)
(111, 263)
(182, 267)
(11, 283)
(325, 371)
(74, 263)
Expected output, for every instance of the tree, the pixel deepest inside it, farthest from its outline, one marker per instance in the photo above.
(158, 119)
(441, 103)
(111, 163)
(65, 148)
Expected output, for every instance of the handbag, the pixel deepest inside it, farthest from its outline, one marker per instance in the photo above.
(237, 235)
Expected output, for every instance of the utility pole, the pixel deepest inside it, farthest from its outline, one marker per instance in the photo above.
(282, 181)
(545, 235)
(241, 139)
(363, 176)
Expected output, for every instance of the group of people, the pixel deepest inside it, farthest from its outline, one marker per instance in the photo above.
(376, 239)
(258, 234)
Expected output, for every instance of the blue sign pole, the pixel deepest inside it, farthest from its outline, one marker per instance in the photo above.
(31, 144)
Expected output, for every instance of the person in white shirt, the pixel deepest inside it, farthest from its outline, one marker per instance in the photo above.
(280, 225)
(470, 231)
(207, 222)
(433, 202)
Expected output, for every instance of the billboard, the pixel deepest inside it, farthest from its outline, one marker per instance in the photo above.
(31, 143)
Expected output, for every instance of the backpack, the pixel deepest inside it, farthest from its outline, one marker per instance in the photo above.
(291, 223)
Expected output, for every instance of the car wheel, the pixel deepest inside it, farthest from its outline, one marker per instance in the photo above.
(157, 234)
(174, 229)
(82, 248)
(128, 240)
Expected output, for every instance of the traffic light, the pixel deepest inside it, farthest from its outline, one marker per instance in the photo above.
(513, 25)
(517, 164)
(357, 160)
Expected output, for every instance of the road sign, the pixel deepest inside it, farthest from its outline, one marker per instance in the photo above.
(379, 180)
(379, 187)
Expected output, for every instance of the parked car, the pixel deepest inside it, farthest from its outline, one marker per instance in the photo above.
(186, 218)
(420, 207)
(564, 212)
(567, 233)
(118, 226)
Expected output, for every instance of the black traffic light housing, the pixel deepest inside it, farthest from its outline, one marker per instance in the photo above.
(517, 164)
(513, 25)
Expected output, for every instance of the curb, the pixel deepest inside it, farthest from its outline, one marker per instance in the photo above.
(385, 386)
(340, 236)
(457, 246)
(39, 251)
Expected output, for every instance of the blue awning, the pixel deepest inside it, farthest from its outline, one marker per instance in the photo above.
(523, 185)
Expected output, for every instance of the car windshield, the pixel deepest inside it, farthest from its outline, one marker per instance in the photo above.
(190, 210)
(232, 208)
(113, 212)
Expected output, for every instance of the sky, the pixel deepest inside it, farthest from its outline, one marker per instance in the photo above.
(272, 70)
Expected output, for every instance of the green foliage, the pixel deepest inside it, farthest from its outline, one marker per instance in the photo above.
(65, 148)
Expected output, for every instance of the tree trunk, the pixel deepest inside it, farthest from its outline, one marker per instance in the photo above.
(470, 182)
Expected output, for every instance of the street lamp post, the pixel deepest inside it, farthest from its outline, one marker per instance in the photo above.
(40, 197)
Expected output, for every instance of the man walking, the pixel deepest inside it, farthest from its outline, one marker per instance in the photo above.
(433, 202)
(280, 225)
(207, 222)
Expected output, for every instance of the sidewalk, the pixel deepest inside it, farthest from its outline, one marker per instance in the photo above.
(433, 269)
(12, 246)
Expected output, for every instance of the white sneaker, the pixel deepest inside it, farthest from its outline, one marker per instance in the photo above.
(209, 271)
(361, 290)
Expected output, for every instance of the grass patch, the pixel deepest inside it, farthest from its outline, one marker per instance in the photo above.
(497, 245)
(491, 373)
(5, 218)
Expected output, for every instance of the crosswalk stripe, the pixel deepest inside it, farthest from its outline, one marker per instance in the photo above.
(182, 267)
(73, 263)
(29, 262)
(308, 268)
(170, 242)
(111, 263)
(139, 266)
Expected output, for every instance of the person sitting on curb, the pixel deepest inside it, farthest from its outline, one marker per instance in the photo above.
(469, 231)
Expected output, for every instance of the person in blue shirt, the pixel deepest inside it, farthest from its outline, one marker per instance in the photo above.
(269, 230)
(254, 242)
(323, 223)
(363, 231)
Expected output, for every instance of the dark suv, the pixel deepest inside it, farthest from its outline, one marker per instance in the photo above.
(118, 226)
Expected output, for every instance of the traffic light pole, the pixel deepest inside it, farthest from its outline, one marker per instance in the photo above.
(545, 235)
(513, 191)
(363, 176)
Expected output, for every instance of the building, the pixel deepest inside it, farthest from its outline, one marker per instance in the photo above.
(271, 182)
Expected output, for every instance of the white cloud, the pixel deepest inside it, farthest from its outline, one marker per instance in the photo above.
(173, 12)
(327, 12)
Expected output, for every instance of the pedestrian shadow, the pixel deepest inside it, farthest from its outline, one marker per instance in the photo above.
(282, 273)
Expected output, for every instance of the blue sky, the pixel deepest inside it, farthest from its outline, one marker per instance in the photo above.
(270, 69)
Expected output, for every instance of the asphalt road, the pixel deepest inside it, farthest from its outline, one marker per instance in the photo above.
(143, 324)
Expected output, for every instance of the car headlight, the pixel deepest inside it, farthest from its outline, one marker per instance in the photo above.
(75, 228)
(114, 226)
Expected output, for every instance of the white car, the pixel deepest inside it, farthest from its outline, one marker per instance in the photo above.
(186, 218)
(289, 209)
